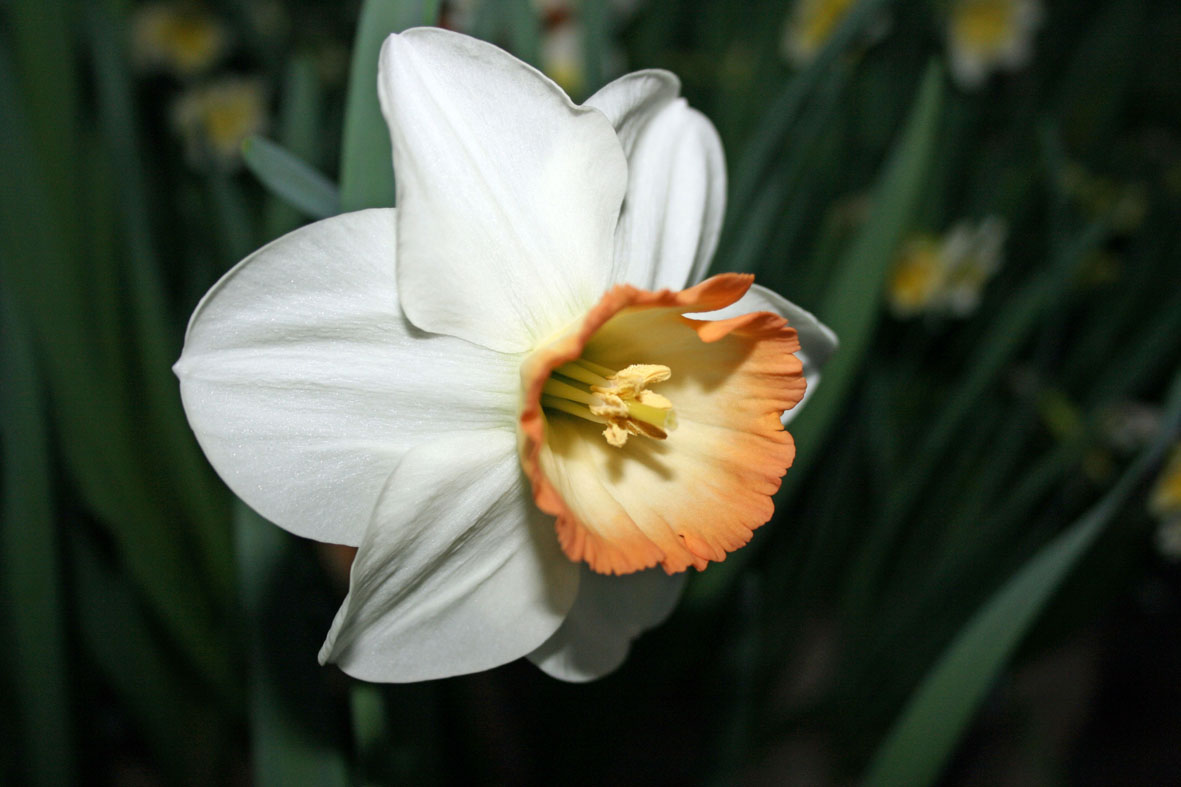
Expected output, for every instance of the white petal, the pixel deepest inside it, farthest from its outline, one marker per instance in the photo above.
(305, 384)
(508, 193)
(817, 340)
(969, 69)
(458, 571)
(609, 613)
(633, 100)
(676, 192)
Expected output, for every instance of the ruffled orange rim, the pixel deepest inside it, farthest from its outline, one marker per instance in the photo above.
(756, 477)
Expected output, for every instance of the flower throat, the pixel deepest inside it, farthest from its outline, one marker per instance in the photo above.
(619, 399)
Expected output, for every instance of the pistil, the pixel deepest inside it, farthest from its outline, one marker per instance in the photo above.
(619, 399)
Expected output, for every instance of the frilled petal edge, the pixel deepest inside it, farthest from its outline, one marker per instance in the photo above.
(305, 384)
(817, 340)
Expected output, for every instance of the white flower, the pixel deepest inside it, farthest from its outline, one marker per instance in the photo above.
(984, 35)
(429, 385)
(972, 255)
(946, 275)
(181, 38)
(811, 23)
(215, 118)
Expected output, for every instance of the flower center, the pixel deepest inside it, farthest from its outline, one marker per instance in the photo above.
(619, 399)
(985, 25)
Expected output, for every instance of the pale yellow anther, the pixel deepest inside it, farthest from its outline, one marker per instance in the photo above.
(621, 400)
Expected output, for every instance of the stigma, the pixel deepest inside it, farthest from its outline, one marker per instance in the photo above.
(618, 399)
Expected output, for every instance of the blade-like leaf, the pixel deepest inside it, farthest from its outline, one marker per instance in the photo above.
(31, 563)
(285, 751)
(854, 296)
(102, 451)
(291, 179)
(298, 132)
(760, 152)
(926, 733)
(366, 164)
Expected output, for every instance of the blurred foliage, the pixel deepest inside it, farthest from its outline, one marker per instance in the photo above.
(964, 508)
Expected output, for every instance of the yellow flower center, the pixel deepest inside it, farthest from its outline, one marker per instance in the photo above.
(823, 19)
(194, 41)
(1166, 496)
(619, 399)
(916, 277)
(984, 25)
(229, 121)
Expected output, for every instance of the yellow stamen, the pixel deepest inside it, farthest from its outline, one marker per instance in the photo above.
(621, 400)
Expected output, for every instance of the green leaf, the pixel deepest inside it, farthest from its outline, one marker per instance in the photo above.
(116, 633)
(925, 735)
(761, 151)
(285, 750)
(301, 117)
(233, 218)
(853, 299)
(366, 165)
(32, 572)
(289, 178)
(1010, 329)
(748, 250)
(1094, 88)
(156, 345)
(525, 31)
(105, 449)
(43, 46)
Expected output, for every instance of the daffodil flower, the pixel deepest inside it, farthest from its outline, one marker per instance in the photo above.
(181, 38)
(494, 390)
(985, 35)
(947, 275)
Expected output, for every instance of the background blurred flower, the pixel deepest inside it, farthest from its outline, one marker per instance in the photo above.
(1165, 503)
(1124, 205)
(946, 275)
(182, 38)
(1165, 500)
(811, 23)
(563, 58)
(917, 277)
(809, 26)
(971, 255)
(215, 118)
(986, 35)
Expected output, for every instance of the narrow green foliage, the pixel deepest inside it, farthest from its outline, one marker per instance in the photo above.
(43, 47)
(853, 298)
(178, 724)
(31, 568)
(366, 176)
(284, 750)
(920, 743)
(786, 107)
(102, 452)
(152, 339)
(300, 117)
(290, 179)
